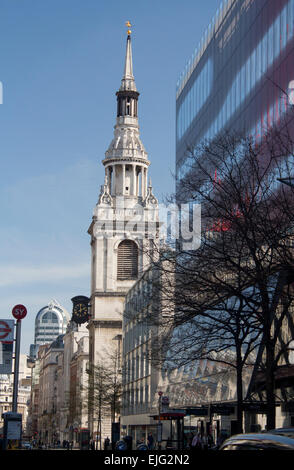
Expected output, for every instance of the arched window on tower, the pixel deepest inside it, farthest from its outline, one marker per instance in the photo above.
(127, 260)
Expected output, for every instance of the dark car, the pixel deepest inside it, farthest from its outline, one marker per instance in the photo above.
(289, 432)
(260, 441)
(26, 445)
(120, 445)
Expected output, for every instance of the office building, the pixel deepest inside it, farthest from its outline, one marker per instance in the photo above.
(51, 321)
(240, 77)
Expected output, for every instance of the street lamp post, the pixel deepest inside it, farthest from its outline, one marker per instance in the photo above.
(159, 431)
(31, 364)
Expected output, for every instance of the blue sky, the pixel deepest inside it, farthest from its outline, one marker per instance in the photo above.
(61, 64)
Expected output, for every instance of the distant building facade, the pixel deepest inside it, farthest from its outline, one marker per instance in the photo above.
(73, 383)
(51, 321)
(48, 425)
(24, 391)
(143, 331)
(59, 404)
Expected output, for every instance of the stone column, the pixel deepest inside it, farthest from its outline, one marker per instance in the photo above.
(145, 182)
(123, 178)
(142, 181)
(137, 181)
(109, 178)
(134, 184)
(114, 179)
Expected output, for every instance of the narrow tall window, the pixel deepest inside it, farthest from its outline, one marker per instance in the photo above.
(128, 110)
(127, 260)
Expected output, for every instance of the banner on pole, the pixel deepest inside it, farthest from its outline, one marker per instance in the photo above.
(6, 345)
(6, 353)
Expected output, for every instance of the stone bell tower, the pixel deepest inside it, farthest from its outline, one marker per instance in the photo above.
(124, 225)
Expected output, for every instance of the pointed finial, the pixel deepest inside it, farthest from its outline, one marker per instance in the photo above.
(128, 24)
(128, 81)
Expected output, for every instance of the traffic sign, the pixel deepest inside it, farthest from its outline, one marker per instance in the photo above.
(19, 311)
(6, 331)
(165, 400)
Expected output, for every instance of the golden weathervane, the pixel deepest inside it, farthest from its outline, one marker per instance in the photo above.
(128, 24)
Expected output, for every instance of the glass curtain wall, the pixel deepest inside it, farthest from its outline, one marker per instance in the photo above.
(242, 79)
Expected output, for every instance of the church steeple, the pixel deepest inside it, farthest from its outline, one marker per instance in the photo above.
(127, 96)
(126, 163)
(124, 227)
(128, 81)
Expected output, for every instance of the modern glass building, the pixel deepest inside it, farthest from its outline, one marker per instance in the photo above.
(241, 76)
(51, 321)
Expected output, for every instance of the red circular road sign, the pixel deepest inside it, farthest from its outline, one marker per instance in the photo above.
(19, 311)
(4, 329)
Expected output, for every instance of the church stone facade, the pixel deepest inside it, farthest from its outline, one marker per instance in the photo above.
(124, 227)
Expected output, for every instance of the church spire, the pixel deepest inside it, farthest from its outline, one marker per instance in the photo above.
(128, 81)
(126, 163)
(127, 96)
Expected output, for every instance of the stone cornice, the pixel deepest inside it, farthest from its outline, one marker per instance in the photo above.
(124, 159)
(105, 323)
(131, 93)
(108, 294)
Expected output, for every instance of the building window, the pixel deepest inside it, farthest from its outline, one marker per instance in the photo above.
(128, 107)
(127, 260)
(49, 317)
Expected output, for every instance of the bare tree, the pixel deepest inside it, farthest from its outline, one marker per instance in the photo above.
(104, 392)
(234, 292)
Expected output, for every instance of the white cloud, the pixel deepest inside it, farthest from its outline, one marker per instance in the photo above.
(15, 275)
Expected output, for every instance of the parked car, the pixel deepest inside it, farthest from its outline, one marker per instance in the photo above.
(120, 445)
(258, 441)
(289, 432)
(142, 446)
(26, 445)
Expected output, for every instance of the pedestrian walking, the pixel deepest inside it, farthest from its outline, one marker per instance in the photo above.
(223, 435)
(196, 442)
(150, 441)
(106, 443)
(169, 444)
(189, 440)
(92, 445)
(210, 441)
(204, 442)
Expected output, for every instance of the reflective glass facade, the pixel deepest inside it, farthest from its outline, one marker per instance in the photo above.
(51, 321)
(236, 79)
